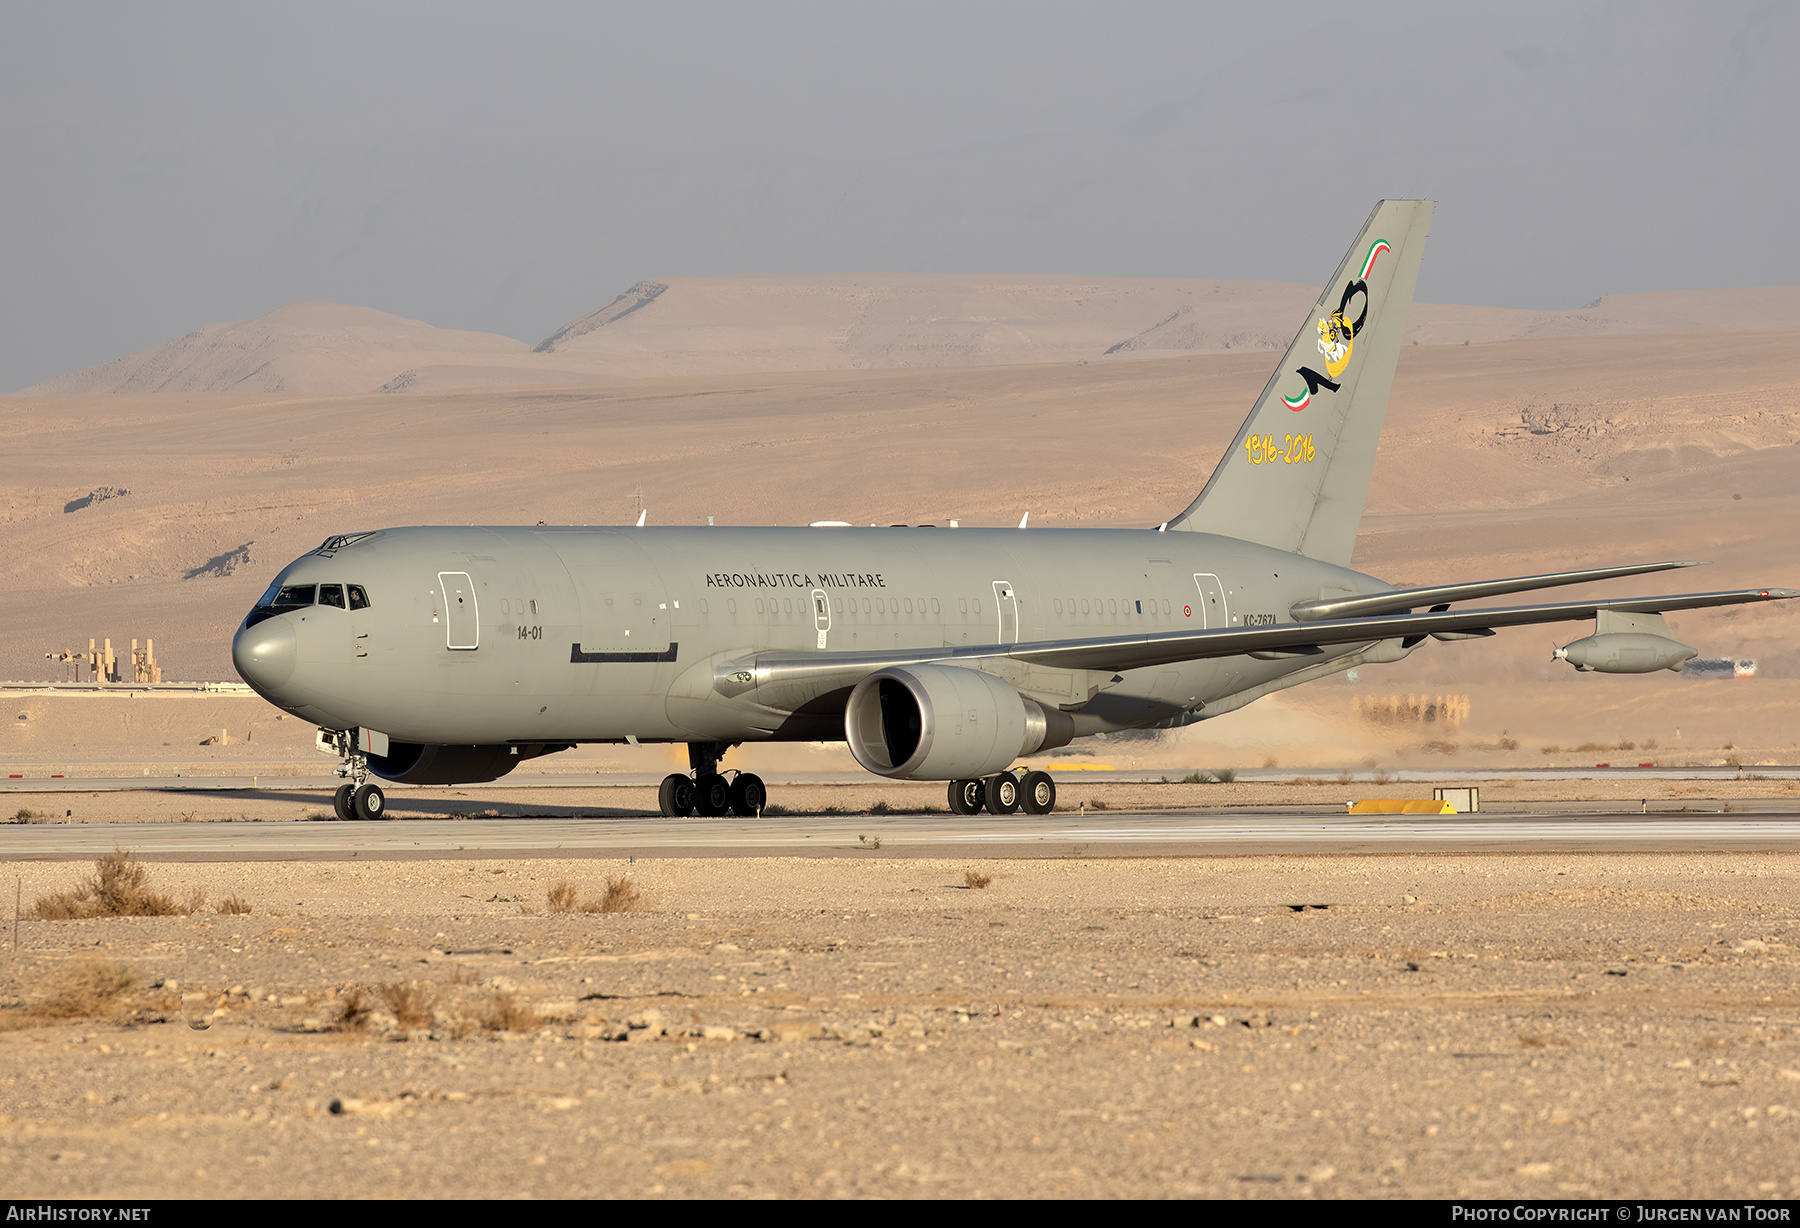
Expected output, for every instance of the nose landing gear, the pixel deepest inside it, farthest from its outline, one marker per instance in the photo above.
(359, 798)
(705, 791)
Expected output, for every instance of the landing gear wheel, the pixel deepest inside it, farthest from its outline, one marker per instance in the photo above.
(712, 796)
(1037, 793)
(369, 802)
(966, 796)
(341, 804)
(1003, 794)
(748, 797)
(676, 796)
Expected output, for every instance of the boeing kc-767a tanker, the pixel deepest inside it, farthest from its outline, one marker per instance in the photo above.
(449, 655)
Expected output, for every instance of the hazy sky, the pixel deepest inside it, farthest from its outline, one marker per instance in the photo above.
(507, 167)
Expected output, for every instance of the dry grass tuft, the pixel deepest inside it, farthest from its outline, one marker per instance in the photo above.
(412, 1002)
(976, 882)
(505, 1013)
(233, 906)
(120, 887)
(621, 895)
(25, 814)
(353, 1011)
(85, 989)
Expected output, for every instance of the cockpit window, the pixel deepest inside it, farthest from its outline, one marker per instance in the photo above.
(359, 599)
(331, 594)
(294, 595)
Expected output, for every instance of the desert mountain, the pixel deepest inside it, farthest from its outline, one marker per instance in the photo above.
(312, 348)
(688, 326)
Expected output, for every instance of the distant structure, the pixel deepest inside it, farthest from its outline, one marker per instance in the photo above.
(1447, 710)
(1719, 667)
(104, 666)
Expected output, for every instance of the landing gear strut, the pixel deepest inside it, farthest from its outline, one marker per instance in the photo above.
(703, 790)
(358, 798)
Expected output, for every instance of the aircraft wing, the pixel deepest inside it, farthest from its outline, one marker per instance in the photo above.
(1138, 652)
(817, 671)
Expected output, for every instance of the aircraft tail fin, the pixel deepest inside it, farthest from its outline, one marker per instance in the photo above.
(1298, 471)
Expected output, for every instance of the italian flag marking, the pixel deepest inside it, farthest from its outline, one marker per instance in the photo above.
(1298, 403)
(1375, 249)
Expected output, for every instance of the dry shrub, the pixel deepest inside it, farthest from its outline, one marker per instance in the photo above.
(976, 882)
(505, 1013)
(85, 989)
(233, 906)
(25, 814)
(120, 887)
(353, 1011)
(621, 895)
(412, 1002)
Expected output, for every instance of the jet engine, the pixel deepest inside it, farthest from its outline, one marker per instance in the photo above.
(942, 722)
(410, 764)
(1626, 653)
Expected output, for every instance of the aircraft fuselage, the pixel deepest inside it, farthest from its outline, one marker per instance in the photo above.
(553, 634)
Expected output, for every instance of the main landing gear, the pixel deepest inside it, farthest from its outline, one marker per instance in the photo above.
(705, 792)
(359, 798)
(1034, 793)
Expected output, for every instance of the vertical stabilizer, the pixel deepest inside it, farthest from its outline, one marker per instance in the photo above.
(1298, 472)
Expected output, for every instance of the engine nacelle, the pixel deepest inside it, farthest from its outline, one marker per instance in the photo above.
(410, 764)
(942, 722)
(1633, 652)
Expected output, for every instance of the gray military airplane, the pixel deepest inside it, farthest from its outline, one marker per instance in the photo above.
(437, 655)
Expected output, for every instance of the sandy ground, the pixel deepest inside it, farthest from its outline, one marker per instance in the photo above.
(1486, 1026)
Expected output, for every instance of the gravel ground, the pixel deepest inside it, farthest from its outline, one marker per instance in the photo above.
(1445, 1025)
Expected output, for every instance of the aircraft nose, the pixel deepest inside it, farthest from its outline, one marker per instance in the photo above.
(264, 654)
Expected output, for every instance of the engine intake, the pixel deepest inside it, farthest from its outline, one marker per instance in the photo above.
(943, 722)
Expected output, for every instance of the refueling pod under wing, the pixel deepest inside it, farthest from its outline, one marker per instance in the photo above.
(1626, 644)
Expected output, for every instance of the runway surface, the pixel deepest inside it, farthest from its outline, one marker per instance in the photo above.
(1126, 835)
(45, 783)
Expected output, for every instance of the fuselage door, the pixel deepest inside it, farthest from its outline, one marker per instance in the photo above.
(462, 621)
(821, 615)
(1008, 606)
(1212, 599)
